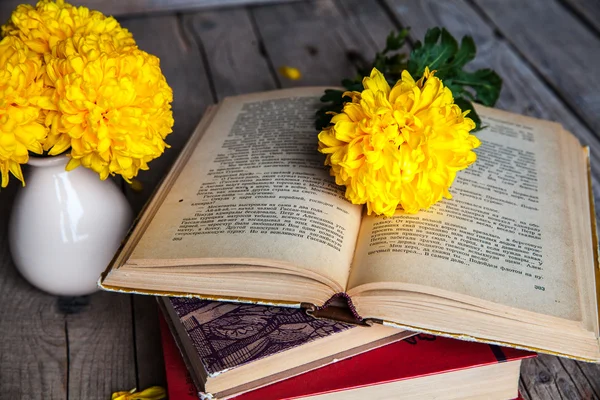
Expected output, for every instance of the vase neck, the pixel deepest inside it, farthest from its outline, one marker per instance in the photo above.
(50, 161)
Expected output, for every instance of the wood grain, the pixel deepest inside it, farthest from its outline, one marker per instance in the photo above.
(557, 45)
(592, 374)
(314, 37)
(585, 376)
(148, 346)
(546, 378)
(588, 10)
(231, 50)
(370, 20)
(101, 348)
(33, 344)
(137, 7)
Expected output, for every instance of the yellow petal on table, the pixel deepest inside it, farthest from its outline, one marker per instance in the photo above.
(290, 72)
(152, 393)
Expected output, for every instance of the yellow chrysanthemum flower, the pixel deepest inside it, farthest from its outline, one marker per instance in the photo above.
(42, 27)
(20, 129)
(112, 108)
(400, 146)
(90, 47)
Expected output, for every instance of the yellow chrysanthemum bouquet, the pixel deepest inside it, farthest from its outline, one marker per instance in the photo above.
(73, 81)
(399, 142)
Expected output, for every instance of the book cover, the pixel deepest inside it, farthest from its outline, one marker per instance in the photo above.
(180, 384)
(228, 335)
(414, 357)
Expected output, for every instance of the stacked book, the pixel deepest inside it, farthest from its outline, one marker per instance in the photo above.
(216, 350)
(252, 231)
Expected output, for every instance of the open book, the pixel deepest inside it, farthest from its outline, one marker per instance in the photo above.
(249, 213)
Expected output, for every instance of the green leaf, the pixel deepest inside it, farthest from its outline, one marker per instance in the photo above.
(439, 51)
(332, 95)
(353, 86)
(335, 99)
(485, 83)
(465, 53)
(395, 41)
(323, 118)
(436, 56)
(431, 37)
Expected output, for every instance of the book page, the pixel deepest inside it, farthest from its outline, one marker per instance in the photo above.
(256, 188)
(506, 235)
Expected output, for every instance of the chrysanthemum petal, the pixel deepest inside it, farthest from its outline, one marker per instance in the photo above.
(20, 116)
(113, 108)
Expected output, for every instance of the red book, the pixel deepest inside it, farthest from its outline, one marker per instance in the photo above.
(376, 372)
(179, 382)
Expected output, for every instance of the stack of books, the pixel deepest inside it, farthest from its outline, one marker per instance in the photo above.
(216, 350)
(249, 215)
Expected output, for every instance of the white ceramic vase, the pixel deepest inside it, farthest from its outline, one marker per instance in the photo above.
(65, 226)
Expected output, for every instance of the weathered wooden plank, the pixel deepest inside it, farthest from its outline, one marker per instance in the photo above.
(33, 345)
(588, 10)
(546, 378)
(137, 7)
(232, 51)
(101, 347)
(586, 375)
(313, 37)
(183, 66)
(149, 359)
(592, 374)
(523, 389)
(558, 46)
(368, 19)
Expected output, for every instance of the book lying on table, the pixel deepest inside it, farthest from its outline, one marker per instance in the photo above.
(421, 367)
(233, 348)
(249, 213)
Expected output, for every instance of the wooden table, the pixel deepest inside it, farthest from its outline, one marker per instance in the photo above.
(548, 53)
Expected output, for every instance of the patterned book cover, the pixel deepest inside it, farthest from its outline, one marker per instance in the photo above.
(228, 335)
